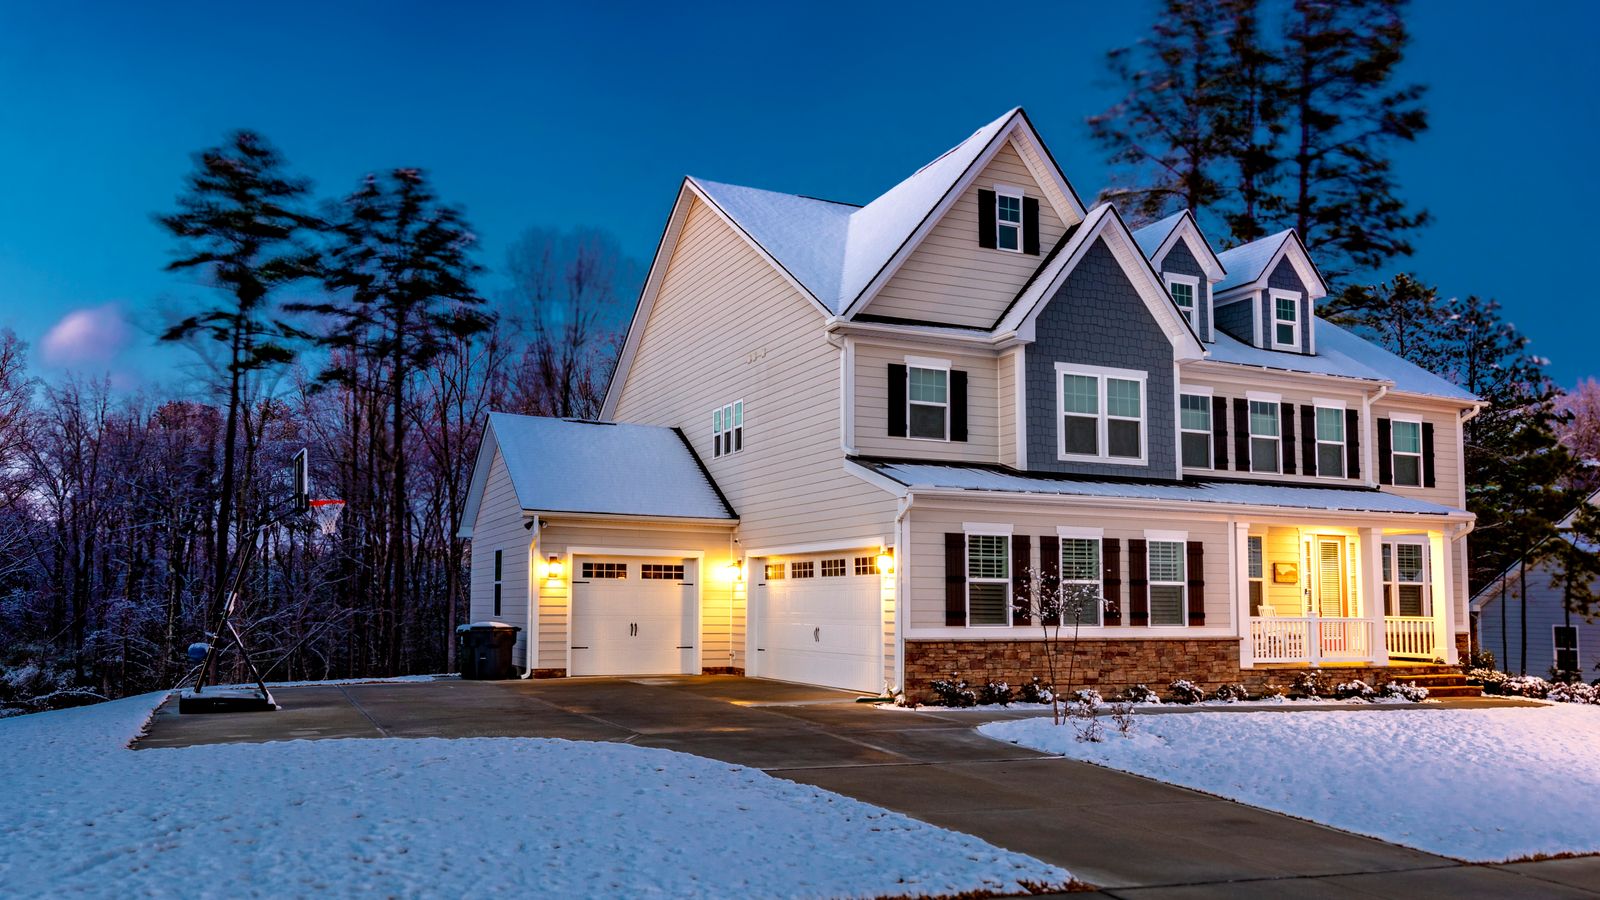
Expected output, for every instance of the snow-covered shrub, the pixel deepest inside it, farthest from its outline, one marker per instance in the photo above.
(1185, 691)
(1354, 690)
(30, 680)
(1408, 692)
(1036, 691)
(1478, 659)
(1084, 716)
(1311, 683)
(1525, 686)
(1122, 717)
(1140, 694)
(996, 693)
(953, 691)
(1576, 692)
(1490, 678)
(1088, 698)
(1273, 692)
(1230, 693)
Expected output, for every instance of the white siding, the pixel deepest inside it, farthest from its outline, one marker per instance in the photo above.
(872, 405)
(499, 527)
(1296, 391)
(1447, 470)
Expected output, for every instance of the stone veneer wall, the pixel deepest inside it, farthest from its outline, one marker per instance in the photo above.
(1111, 666)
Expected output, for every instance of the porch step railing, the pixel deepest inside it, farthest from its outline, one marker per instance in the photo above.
(1309, 639)
(1410, 636)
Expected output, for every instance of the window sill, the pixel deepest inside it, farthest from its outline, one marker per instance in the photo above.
(1112, 460)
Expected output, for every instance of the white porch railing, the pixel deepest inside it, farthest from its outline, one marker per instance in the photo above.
(1410, 636)
(1290, 639)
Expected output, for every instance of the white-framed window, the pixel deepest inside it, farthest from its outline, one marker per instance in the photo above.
(1008, 218)
(1330, 439)
(775, 571)
(1194, 427)
(927, 400)
(1565, 639)
(1080, 567)
(1405, 579)
(1285, 319)
(988, 579)
(1185, 291)
(1256, 573)
(1101, 414)
(833, 568)
(806, 569)
(1266, 437)
(1405, 451)
(499, 570)
(727, 429)
(1169, 584)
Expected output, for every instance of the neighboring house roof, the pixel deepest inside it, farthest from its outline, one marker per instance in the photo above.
(1157, 239)
(1341, 354)
(595, 468)
(1250, 265)
(1564, 532)
(977, 478)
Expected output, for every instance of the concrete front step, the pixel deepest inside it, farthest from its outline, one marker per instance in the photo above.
(1464, 690)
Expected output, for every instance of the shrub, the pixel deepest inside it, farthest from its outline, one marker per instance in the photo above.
(1577, 692)
(1036, 691)
(1185, 691)
(1478, 659)
(1273, 691)
(1231, 693)
(996, 693)
(1311, 683)
(1525, 686)
(1354, 690)
(1490, 678)
(1408, 692)
(1565, 676)
(1122, 717)
(953, 691)
(1088, 698)
(1140, 694)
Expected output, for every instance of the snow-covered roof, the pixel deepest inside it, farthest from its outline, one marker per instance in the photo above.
(1150, 237)
(1232, 493)
(1342, 354)
(835, 249)
(598, 468)
(1246, 263)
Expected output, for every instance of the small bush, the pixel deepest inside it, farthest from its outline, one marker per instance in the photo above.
(1577, 692)
(1273, 692)
(1231, 693)
(1140, 694)
(1088, 698)
(1524, 686)
(1490, 678)
(953, 691)
(1478, 659)
(1186, 692)
(996, 693)
(1411, 693)
(1122, 717)
(1036, 691)
(1312, 683)
(1565, 676)
(1354, 690)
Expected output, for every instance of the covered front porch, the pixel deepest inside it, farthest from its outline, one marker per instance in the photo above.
(1317, 594)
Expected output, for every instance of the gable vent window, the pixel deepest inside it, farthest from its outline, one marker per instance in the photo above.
(1194, 421)
(1265, 437)
(1285, 321)
(727, 429)
(1184, 288)
(1406, 446)
(1101, 414)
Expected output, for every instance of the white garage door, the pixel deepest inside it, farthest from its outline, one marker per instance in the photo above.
(632, 616)
(821, 621)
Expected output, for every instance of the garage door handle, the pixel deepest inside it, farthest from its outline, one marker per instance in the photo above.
(686, 647)
(816, 634)
(580, 648)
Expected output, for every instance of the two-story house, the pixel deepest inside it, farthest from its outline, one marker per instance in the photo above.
(840, 439)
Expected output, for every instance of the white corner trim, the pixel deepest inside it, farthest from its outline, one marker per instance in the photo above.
(1079, 531)
(927, 362)
(1172, 536)
(1020, 362)
(993, 528)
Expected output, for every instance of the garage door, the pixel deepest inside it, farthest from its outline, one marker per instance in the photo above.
(821, 621)
(632, 616)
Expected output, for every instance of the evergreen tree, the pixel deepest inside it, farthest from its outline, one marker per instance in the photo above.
(1403, 315)
(1577, 559)
(240, 225)
(1251, 124)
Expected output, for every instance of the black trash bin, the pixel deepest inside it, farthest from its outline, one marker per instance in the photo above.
(483, 650)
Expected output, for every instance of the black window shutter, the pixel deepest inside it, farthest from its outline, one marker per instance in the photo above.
(1385, 463)
(986, 235)
(1050, 566)
(1219, 433)
(955, 578)
(1138, 582)
(897, 400)
(1030, 225)
(1196, 564)
(1241, 434)
(1352, 443)
(1111, 579)
(958, 405)
(1286, 428)
(1308, 439)
(1427, 454)
(1021, 565)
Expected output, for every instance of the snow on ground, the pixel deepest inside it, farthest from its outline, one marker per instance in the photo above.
(1483, 785)
(446, 818)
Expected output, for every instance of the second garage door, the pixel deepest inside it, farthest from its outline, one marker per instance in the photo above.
(633, 616)
(820, 621)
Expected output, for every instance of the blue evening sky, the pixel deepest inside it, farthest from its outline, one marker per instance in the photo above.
(589, 114)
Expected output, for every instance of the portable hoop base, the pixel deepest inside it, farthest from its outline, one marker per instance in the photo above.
(232, 701)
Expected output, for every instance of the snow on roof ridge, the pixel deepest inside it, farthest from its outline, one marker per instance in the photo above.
(1152, 236)
(1246, 262)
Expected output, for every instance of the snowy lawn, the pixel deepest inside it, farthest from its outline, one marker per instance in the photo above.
(445, 818)
(1483, 785)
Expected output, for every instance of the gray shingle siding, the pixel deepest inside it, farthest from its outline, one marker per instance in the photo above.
(1234, 320)
(1545, 611)
(1285, 278)
(1180, 261)
(1097, 318)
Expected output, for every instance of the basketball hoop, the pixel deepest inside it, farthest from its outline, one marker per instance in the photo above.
(326, 514)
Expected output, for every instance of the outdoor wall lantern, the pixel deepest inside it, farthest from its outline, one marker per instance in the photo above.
(734, 571)
(552, 567)
(886, 561)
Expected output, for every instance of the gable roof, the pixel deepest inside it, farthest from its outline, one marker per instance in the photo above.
(595, 468)
(1564, 532)
(1157, 239)
(1250, 265)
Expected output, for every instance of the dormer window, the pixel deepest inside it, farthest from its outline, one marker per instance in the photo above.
(1185, 289)
(1285, 320)
(1008, 219)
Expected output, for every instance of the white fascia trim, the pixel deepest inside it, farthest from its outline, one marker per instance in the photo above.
(1020, 361)
(556, 517)
(881, 482)
(1188, 230)
(992, 528)
(1401, 416)
(480, 480)
(1263, 396)
(1256, 513)
(874, 544)
(1303, 267)
(847, 400)
(1079, 531)
(1179, 537)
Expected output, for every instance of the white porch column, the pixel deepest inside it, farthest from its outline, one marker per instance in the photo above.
(1240, 572)
(1441, 587)
(1372, 592)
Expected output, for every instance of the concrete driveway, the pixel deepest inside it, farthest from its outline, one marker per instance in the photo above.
(1128, 835)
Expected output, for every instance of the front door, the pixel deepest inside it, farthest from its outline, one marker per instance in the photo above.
(1332, 602)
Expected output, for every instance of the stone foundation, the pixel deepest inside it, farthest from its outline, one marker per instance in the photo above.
(1463, 646)
(1112, 666)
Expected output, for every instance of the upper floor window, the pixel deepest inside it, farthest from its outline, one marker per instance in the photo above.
(1265, 438)
(1101, 413)
(1330, 441)
(1194, 424)
(988, 579)
(928, 398)
(1285, 320)
(1008, 219)
(1185, 290)
(1405, 446)
(727, 429)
